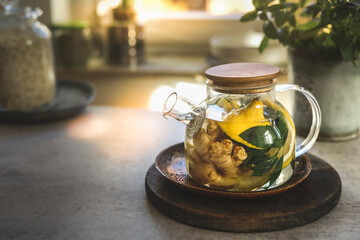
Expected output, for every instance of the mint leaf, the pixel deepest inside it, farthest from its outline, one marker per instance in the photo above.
(264, 166)
(260, 136)
(255, 156)
(277, 171)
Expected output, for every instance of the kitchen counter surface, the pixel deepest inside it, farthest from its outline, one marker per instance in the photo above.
(83, 178)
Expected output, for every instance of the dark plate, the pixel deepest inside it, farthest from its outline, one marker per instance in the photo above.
(71, 98)
(171, 164)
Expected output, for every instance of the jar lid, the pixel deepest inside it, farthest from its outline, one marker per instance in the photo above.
(243, 75)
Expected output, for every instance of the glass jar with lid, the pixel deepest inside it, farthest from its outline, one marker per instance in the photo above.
(241, 138)
(27, 78)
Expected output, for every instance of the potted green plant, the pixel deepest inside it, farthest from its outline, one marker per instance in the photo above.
(323, 39)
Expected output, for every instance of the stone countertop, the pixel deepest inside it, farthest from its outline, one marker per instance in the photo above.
(83, 178)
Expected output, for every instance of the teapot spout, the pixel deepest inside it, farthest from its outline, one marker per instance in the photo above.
(181, 109)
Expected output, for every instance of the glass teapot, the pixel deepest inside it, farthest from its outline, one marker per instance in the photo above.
(240, 138)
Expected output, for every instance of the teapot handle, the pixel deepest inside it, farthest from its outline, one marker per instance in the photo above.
(316, 117)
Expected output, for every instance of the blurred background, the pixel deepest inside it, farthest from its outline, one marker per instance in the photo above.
(138, 51)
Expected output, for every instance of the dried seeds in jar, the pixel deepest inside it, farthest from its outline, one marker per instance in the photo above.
(27, 78)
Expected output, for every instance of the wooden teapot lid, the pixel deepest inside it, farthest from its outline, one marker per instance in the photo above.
(243, 75)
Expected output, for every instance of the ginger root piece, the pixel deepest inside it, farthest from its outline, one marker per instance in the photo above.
(194, 155)
(205, 173)
(213, 129)
(213, 162)
(202, 143)
(221, 156)
(239, 155)
(227, 146)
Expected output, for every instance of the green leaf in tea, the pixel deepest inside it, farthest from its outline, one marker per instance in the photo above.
(260, 136)
(283, 130)
(264, 166)
(277, 171)
(255, 156)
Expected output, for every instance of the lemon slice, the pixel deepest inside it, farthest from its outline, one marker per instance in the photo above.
(240, 120)
(289, 146)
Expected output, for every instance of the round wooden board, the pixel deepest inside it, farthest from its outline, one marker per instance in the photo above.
(317, 195)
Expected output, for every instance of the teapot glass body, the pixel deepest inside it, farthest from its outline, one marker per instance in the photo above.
(240, 138)
(245, 142)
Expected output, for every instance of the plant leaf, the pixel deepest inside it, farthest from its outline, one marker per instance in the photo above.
(250, 16)
(302, 3)
(292, 21)
(325, 20)
(276, 7)
(260, 136)
(309, 25)
(293, 6)
(259, 4)
(311, 10)
(263, 16)
(277, 171)
(264, 43)
(281, 18)
(343, 12)
(269, 30)
(284, 35)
